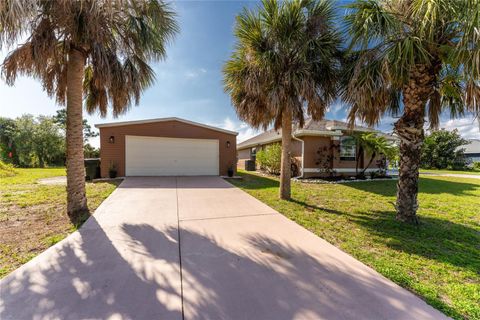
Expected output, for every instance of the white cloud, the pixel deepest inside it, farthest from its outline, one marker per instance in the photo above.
(335, 108)
(468, 127)
(244, 130)
(191, 74)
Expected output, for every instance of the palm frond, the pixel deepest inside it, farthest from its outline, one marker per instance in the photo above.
(118, 38)
(287, 59)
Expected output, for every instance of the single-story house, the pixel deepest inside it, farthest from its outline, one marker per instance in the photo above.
(472, 151)
(319, 148)
(166, 147)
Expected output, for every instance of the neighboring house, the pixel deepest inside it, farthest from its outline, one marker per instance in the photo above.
(320, 148)
(166, 147)
(472, 151)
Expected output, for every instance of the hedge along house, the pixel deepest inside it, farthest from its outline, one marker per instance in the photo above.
(166, 147)
(320, 148)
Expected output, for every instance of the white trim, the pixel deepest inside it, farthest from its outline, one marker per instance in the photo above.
(340, 170)
(353, 129)
(303, 132)
(127, 123)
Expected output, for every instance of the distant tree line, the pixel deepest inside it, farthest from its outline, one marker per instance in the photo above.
(30, 141)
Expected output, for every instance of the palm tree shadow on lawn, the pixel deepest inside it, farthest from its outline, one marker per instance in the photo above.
(385, 188)
(426, 186)
(452, 240)
(435, 238)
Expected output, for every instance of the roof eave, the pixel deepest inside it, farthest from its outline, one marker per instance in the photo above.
(359, 129)
(304, 132)
(256, 144)
(128, 123)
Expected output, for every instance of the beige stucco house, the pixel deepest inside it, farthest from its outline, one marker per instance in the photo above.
(319, 148)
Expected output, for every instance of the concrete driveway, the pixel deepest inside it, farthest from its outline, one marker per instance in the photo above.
(198, 248)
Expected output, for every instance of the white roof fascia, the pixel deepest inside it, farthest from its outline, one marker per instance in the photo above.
(127, 123)
(354, 129)
(303, 132)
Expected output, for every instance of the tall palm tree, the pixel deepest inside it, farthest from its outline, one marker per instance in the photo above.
(416, 58)
(285, 64)
(96, 51)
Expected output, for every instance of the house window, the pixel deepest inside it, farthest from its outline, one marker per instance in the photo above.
(347, 149)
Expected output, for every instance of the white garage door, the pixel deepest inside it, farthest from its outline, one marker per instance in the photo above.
(154, 156)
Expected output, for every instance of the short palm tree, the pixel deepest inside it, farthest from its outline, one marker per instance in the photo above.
(416, 58)
(286, 62)
(97, 51)
(372, 144)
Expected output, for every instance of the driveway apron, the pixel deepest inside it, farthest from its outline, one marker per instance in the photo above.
(198, 248)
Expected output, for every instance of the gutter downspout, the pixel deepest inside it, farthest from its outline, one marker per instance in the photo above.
(303, 154)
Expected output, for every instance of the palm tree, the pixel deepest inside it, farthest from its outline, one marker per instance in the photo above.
(373, 145)
(286, 62)
(96, 51)
(415, 58)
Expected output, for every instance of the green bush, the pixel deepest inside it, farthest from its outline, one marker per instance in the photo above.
(441, 150)
(476, 166)
(7, 170)
(269, 158)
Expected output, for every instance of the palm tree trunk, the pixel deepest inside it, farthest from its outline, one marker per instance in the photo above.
(285, 173)
(410, 130)
(76, 197)
(357, 162)
(369, 163)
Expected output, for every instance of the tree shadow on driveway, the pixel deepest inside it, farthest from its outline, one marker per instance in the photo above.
(90, 275)
(132, 272)
(266, 278)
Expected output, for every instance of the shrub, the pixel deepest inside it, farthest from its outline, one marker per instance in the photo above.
(441, 150)
(476, 166)
(269, 159)
(7, 170)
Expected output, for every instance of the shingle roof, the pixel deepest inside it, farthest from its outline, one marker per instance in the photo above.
(265, 137)
(321, 127)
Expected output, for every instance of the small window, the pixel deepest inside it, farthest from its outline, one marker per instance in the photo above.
(348, 149)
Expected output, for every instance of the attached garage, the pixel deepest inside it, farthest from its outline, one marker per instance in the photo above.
(166, 147)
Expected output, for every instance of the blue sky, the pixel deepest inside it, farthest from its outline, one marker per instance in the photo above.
(189, 81)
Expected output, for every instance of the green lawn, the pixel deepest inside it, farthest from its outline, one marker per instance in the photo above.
(450, 171)
(33, 216)
(438, 260)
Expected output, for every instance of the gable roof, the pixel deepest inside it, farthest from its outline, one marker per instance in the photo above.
(128, 123)
(311, 128)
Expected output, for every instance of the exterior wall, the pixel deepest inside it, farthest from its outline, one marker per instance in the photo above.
(242, 156)
(342, 167)
(245, 154)
(312, 145)
(115, 152)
